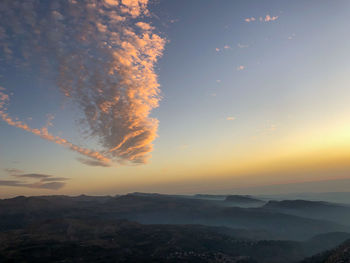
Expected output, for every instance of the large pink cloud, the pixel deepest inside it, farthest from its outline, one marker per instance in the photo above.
(103, 56)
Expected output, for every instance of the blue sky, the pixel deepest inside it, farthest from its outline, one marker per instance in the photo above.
(238, 97)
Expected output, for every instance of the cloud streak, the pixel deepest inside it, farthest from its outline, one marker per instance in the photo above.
(51, 185)
(41, 181)
(103, 57)
(44, 134)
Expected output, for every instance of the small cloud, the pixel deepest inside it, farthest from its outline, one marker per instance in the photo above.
(93, 162)
(269, 18)
(231, 118)
(217, 49)
(213, 94)
(242, 46)
(227, 47)
(249, 19)
(218, 80)
(241, 67)
(144, 26)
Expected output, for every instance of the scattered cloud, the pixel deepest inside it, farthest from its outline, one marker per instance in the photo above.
(241, 67)
(105, 58)
(249, 19)
(231, 118)
(227, 47)
(267, 18)
(218, 80)
(217, 49)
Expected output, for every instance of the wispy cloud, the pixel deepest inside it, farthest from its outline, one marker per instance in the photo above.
(241, 67)
(225, 47)
(40, 185)
(33, 176)
(44, 134)
(13, 171)
(93, 162)
(231, 118)
(36, 180)
(291, 36)
(242, 45)
(105, 58)
(51, 179)
(51, 185)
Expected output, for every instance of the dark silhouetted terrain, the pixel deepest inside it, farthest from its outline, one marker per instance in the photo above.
(341, 254)
(162, 228)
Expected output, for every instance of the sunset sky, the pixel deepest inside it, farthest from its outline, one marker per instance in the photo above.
(186, 96)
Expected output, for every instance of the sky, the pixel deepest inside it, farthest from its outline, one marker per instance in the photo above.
(115, 96)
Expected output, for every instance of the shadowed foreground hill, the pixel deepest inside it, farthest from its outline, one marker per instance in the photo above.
(340, 254)
(156, 228)
(73, 240)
